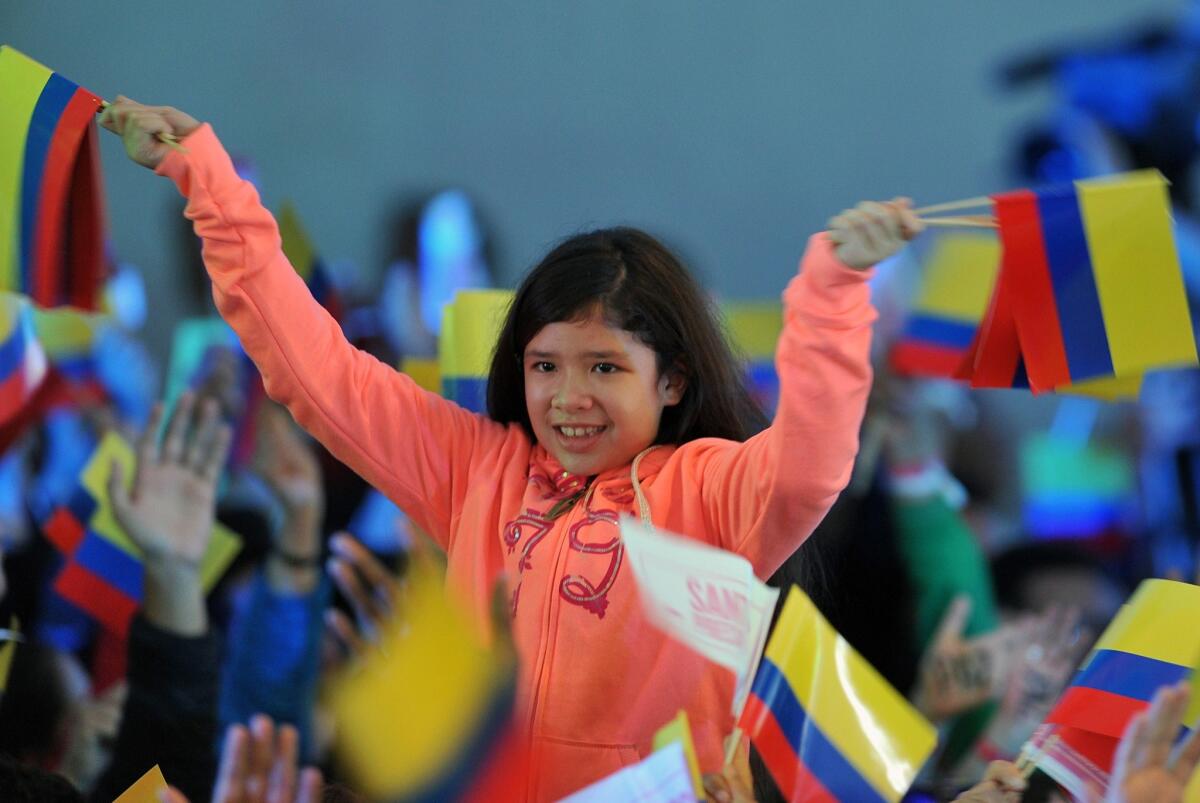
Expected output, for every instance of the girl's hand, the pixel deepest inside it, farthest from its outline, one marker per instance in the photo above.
(872, 232)
(140, 126)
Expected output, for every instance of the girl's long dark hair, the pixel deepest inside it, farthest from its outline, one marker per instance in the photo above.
(639, 286)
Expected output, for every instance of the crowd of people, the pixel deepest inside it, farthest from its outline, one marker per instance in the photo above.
(902, 507)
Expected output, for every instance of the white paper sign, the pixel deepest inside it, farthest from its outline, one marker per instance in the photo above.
(662, 777)
(706, 597)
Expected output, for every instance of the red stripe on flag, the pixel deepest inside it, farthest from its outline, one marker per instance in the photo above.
(916, 359)
(100, 600)
(503, 775)
(996, 348)
(791, 775)
(86, 238)
(47, 257)
(1096, 711)
(14, 393)
(63, 530)
(1024, 259)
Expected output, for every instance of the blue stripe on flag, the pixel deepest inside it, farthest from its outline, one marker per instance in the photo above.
(467, 391)
(1129, 675)
(82, 505)
(111, 563)
(812, 746)
(1080, 317)
(940, 331)
(56, 94)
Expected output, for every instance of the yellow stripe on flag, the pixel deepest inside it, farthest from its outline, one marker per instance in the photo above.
(1160, 621)
(754, 326)
(21, 82)
(424, 372)
(958, 276)
(418, 696)
(1138, 277)
(868, 721)
(477, 318)
(297, 245)
(222, 548)
(1109, 388)
(66, 331)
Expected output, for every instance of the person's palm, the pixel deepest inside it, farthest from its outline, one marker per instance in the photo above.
(168, 510)
(285, 461)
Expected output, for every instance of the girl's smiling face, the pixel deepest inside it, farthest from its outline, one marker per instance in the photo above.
(594, 394)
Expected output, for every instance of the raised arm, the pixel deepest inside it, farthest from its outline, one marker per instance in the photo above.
(764, 497)
(413, 445)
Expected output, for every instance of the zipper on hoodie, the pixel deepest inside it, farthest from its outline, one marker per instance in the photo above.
(562, 525)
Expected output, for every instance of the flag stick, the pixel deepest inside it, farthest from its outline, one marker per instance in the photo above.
(170, 140)
(735, 739)
(950, 206)
(968, 221)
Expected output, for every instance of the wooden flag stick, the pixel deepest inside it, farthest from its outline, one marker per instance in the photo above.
(734, 740)
(970, 221)
(170, 140)
(950, 206)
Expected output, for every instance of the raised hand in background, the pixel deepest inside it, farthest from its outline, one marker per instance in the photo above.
(169, 507)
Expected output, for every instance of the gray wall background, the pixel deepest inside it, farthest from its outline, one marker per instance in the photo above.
(732, 130)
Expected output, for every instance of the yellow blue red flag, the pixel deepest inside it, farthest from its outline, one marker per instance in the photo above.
(827, 725)
(52, 217)
(470, 327)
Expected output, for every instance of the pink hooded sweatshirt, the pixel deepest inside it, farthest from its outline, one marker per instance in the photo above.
(597, 680)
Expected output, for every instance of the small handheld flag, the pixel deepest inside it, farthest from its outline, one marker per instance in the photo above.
(1154, 641)
(470, 327)
(826, 724)
(50, 180)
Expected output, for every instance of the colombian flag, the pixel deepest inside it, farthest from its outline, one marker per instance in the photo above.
(102, 574)
(956, 282)
(1153, 641)
(471, 324)
(50, 180)
(436, 696)
(299, 250)
(754, 328)
(825, 723)
(1090, 289)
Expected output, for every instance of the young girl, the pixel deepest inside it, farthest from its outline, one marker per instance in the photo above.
(611, 392)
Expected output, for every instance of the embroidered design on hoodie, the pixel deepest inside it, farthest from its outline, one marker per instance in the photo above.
(577, 589)
(540, 524)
